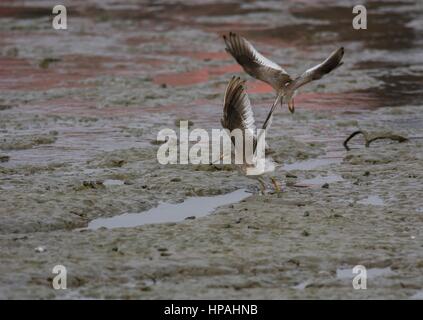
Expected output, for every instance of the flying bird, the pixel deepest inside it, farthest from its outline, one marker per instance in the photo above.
(260, 67)
(238, 114)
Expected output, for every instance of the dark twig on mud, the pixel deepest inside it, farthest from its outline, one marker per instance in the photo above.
(369, 138)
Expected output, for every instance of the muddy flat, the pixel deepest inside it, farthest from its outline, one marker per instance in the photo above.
(80, 184)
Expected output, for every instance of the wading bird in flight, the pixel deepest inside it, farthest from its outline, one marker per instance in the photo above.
(238, 114)
(259, 67)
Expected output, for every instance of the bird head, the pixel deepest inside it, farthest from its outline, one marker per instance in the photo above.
(291, 105)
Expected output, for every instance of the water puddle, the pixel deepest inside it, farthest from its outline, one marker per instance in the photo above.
(7, 187)
(302, 285)
(311, 164)
(167, 212)
(371, 273)
(374, 200)
(113, 182)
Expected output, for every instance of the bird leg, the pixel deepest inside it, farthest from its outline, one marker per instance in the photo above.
(220, 158)
(276, 184)
(370, 137)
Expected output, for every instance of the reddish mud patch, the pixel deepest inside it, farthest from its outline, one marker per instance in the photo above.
(23, 12)
(202, 55)
(196, 76)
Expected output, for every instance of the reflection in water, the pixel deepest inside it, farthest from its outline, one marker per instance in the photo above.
(321, 180)
(113, 182)
(167, 212)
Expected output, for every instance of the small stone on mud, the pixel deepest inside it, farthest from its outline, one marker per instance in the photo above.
(4, 158)
(163, 85)
(175, 180)
(93, 184)
(20, 238)
(305, 233)
(306, 214)
(44, 64)
(190, 218)
(178, 122)
(366, 174)
(325, 186)
(290, 175)
(5, 107)
(40, 249)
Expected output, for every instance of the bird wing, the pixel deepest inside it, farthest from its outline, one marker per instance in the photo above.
(332, 62)
(237, 111)
(254, 63)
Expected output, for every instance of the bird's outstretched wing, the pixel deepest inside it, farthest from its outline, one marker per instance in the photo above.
(238, 114)
(254, 63)
(237, 111)
(332, 62)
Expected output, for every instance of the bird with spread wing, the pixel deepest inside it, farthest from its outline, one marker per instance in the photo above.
(238, 114)
(260, 67)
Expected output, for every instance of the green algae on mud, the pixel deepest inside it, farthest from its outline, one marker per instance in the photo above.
(263, 246)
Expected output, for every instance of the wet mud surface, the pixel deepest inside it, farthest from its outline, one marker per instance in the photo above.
(79, 115)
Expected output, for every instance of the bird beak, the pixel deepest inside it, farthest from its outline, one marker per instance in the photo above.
(291, 105)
